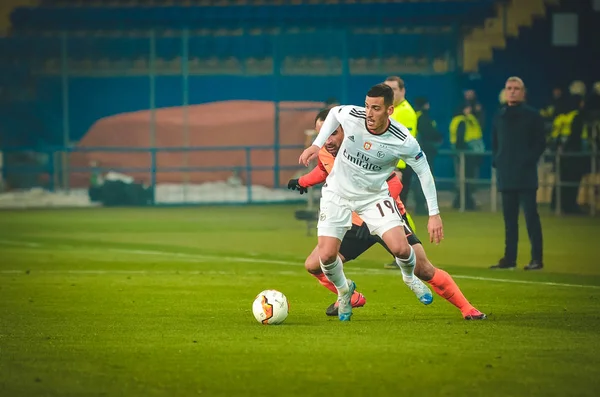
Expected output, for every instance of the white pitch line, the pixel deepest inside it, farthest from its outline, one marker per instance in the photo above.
(147, 272)
(205, 258)
(19, 243)
(504, 280)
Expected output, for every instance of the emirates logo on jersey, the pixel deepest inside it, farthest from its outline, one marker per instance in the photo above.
(367, 145)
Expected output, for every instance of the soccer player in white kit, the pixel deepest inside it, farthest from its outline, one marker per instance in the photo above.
(372, 146)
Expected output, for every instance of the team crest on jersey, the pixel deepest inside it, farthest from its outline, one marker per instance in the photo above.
(380, 154)
(322, 216)
(367, 145)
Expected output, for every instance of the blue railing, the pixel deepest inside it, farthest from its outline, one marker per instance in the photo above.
(55, 164)
(456, 180)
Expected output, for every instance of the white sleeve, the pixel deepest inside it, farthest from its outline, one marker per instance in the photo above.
(416, 159)
(331, 123)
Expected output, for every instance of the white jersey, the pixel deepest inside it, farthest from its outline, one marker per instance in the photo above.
(365, 161)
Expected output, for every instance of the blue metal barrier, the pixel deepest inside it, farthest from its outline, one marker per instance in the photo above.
(56, 174)
(458, 183)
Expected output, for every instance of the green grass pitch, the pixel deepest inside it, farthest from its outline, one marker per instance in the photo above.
(157, 302)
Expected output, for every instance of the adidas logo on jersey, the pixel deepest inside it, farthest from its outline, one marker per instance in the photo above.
(351, 137)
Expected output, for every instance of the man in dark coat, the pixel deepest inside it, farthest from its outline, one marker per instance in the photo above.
(518, 141)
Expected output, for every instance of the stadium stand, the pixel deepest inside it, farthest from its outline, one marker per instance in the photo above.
(126, 39)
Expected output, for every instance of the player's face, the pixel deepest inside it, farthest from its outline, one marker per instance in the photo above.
(333, 143)
(377, 114)
(514, 91)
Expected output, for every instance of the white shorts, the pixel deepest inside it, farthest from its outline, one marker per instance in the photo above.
(379, 212)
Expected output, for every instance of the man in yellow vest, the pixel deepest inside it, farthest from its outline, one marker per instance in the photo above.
(556, 106)
(466, 136)
(571, 138)
(405, 115)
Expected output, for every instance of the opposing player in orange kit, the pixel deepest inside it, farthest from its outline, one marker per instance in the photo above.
(359, 239)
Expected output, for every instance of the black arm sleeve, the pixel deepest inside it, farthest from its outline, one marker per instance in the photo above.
(494, 143)
(460, 135)
(539, 137)
(427, 131)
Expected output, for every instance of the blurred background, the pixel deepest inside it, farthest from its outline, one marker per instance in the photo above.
(158, 102)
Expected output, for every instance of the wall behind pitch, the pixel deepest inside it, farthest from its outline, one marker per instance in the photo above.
(92, 98)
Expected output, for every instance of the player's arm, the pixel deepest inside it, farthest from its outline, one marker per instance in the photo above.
(494, 144)
(539, 138)
(335, 117)
(414, 156)
(394, 186)
(314, 177)
(421, 168)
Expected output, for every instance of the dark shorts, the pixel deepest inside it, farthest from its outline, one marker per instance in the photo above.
(352, 247)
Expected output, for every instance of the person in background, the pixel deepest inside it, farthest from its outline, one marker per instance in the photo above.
(592, 103)
(476, 108)
(568, 138)
(518, 141)
(592, 112)
(405, 115)
(430, 140)
(556, 106)
(572, 141)
(466, 137)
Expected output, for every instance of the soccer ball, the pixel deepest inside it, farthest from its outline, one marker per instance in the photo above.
(270, 307)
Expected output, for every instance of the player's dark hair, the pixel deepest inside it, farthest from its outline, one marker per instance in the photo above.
(382, 90)
(322, 115)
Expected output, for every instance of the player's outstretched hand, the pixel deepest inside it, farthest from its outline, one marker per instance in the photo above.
(363, 232)
(294, 184)
(308, 155)
(435, 229)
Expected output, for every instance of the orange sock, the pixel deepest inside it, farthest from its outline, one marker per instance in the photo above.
(443, 285)
(325, 282)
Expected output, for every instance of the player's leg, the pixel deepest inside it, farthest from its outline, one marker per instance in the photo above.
(351, 248)
(534, 228)
(335, 219)
(384, 220)
(395, 239)
(510, 211)
(410, 224)
(313, 266)
(443, 284)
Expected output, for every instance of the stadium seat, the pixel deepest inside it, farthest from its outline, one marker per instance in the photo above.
(323, 15)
